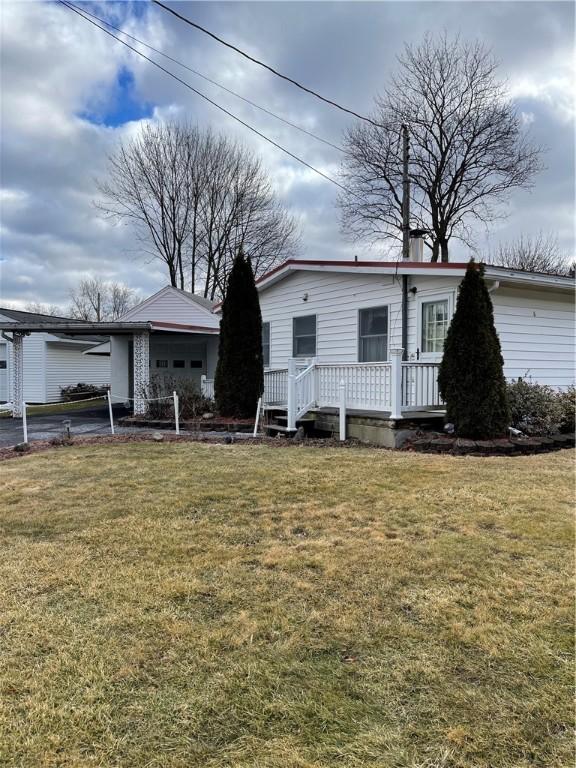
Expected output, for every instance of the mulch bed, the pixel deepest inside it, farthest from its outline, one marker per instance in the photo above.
(515, 446)
(215, 424)
(430, 443)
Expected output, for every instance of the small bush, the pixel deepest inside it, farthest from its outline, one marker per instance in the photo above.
(81, 391)
(192, 403)
(536, 409)
(567, 403)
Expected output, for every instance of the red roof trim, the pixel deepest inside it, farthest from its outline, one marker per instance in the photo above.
(177, 326)
(370, 264)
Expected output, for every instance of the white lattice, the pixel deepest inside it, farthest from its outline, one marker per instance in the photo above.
(141, 370)
(17, 384)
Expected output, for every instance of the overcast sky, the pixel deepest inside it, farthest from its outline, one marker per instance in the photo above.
(70, 94)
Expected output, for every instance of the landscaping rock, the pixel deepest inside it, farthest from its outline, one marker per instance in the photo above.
(463, 446)
(299, 435)
(441, 445)
(526, 444)
(546, 443)
(207, 415)
(22, 447)
(158, 437)
(421, 444)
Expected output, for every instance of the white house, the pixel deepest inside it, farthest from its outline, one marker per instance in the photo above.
(50, 361)
(373, 332)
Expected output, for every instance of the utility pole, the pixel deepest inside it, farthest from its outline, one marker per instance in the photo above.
(405, 235)
(98, 306)
(405, 194)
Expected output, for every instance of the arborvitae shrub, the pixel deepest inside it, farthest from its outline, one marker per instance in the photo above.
(471, 377)
(239, 379)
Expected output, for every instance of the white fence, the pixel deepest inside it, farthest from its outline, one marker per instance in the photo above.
(392, 387)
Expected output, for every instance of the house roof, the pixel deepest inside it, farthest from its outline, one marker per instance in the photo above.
(204, 302)
(31, 317)
(455, 269)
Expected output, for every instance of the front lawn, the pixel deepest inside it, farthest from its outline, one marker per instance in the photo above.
(230, 606)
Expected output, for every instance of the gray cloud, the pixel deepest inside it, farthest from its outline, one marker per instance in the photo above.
(55, 68)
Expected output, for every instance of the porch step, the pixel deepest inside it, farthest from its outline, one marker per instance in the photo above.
(303, 420)
(276, 428)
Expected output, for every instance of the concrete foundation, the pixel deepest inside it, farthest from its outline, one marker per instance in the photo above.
(378, 429)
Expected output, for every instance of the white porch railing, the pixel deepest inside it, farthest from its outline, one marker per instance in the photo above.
(391, 387)
(420, 386)
(276, 387)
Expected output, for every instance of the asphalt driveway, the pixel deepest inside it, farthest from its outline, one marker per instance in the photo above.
(86, 421)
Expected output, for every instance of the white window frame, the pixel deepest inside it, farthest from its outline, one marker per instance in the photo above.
(431, 298)
(359, 336)
(298, 317)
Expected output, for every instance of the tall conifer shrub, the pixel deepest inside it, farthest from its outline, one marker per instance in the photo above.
(239, 379)
(471, 377)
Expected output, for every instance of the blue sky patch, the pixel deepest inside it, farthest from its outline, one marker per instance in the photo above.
(123, 106)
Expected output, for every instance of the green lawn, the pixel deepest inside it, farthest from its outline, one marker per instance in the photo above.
(214, 606)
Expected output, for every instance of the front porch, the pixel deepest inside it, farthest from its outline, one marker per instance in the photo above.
(391, 391)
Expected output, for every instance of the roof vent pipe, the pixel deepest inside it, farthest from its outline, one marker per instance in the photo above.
(417, 244)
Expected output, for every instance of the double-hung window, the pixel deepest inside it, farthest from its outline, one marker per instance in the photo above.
(373, 334)
(304, 336)
(266, 344)
(434, 326)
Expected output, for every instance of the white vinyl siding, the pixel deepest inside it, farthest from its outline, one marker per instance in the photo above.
(171, 306)
(34, 368)
(66, 365)
(536, 330)
(335, 300)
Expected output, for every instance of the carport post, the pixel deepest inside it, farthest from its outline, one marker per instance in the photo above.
(17, 394)
(110, 411)
(24, 422)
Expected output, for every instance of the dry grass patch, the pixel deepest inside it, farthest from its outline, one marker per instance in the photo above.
(209, 605)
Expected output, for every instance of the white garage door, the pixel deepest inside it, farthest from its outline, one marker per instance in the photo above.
(3, 371)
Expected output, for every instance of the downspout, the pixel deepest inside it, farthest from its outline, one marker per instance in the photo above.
(8, 338)
(404, 317)
(494, 286)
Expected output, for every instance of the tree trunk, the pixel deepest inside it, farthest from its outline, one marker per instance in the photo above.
(444, 250)
(435, 250)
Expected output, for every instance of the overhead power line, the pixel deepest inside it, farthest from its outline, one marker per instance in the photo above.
(206, 98)
(268, 67)
(205, 77)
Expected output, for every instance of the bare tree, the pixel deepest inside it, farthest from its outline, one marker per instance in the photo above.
(533, 253)
(38, 308)
(467, 148)
(95, 299)
(195, 198)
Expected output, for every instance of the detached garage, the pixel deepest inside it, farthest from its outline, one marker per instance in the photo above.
(51, 360)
